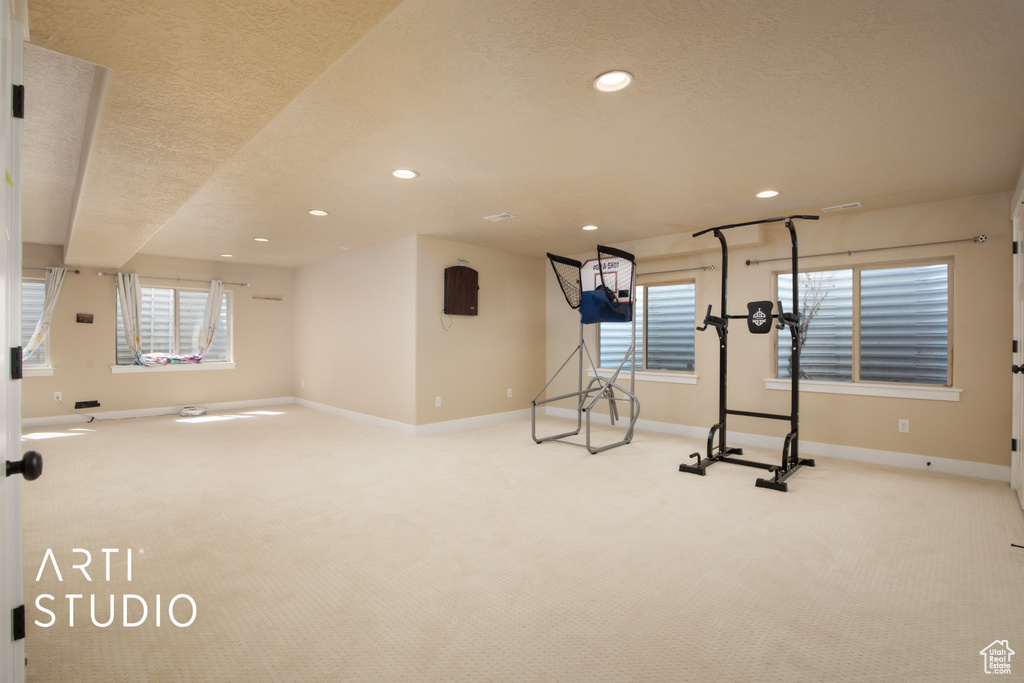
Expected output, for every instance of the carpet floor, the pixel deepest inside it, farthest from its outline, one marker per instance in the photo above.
(288, 545)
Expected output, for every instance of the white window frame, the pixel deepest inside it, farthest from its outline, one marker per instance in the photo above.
(644, 374)
(228, 364)
(857, 387)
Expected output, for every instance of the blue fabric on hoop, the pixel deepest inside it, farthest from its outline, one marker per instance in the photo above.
(599, 306)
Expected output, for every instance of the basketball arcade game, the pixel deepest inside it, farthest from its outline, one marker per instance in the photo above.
(603, 289)
(759, 314)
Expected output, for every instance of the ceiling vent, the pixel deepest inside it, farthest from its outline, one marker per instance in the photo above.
(500, 217)
(842, 207)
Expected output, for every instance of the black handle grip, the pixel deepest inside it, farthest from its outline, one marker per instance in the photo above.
(792, 319)
(30, 466)
(712, 320)
(707, 319)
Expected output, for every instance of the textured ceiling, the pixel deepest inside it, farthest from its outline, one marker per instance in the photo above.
(226, 121)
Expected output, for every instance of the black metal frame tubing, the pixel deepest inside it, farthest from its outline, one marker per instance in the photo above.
(791, 460)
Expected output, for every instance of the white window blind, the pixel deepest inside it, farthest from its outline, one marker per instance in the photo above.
(902, 315)
(191, 306)
(665, 330)
(33, 299)
(904, 325)
(827, 298)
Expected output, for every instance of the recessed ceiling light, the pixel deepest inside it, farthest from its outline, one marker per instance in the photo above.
(612, 81)
(767, 193)
(404, 173)
(227, 256)
(260, 239)
(590, 227)
(318, 212)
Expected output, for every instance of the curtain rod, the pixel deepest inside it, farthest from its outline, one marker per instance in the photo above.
(979, 238)
(179, 279)
(678, 270)
(76, 272)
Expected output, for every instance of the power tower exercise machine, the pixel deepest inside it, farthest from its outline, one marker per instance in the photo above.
(759, 316)
(603, 289)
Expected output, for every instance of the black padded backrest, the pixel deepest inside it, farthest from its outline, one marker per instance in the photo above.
(759, 317)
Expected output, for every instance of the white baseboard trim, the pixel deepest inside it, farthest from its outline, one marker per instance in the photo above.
(33, 422)
(470, 422)
(414, 430)
(649, 425)
(392, 425)
(869, 455)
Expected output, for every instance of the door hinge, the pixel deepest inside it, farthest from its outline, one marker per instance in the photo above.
(18, 623)
(16, 368)
(18, 101)
(1013, 445)
(1015, 247)
(1015, 346)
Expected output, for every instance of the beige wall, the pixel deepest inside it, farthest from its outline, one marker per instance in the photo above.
(356, 332)
(371, 339)
(361, 332)
(365, 333)
(473, 363)
(977, 428)
(82, 354)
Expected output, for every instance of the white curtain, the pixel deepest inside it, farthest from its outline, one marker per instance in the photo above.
(54, 280)
(129, 292)
(211, 318)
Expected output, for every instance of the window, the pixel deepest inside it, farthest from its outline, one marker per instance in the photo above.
(665, 330)
(33, 298)
(872, 324)
(170, 324)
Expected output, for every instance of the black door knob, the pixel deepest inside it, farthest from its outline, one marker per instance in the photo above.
(1018, 368)
(30, 466)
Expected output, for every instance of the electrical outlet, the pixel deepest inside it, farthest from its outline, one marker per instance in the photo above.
(510, 392)
(437, 401)
(904, 426)
(57, 396)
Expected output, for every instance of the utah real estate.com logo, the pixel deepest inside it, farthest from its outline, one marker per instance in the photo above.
(997, 657)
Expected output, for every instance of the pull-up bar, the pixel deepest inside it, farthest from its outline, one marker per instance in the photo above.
(759, 313)
(766, 220)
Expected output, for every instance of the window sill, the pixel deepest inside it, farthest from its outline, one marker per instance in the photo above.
(37, 372)
(650, 376)
(918, 391)
(181, 367)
